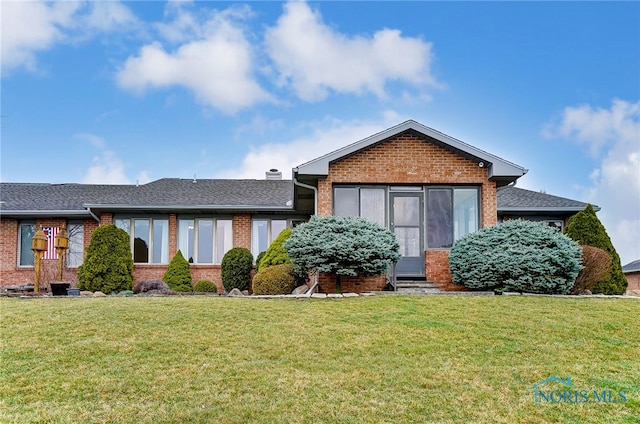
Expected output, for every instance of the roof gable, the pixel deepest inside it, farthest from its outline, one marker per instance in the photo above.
(497, 168)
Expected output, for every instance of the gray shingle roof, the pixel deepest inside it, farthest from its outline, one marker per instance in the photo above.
(512, 199)
(632, 267)
(165, 193)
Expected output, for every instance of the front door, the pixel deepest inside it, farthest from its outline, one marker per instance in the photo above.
(407, 210)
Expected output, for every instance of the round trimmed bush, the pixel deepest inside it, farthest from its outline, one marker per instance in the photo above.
(517, 255)
(206, 286)
(178, 276)
(108, 266)
(274, 280)
(236, 269)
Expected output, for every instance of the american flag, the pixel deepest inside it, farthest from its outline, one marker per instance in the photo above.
(51, 233)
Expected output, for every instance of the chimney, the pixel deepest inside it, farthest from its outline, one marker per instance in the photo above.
(273, 174)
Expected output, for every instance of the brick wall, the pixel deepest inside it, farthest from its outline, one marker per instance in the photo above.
(242, 230)
(327, 283)
(633, 278)
(411, 158)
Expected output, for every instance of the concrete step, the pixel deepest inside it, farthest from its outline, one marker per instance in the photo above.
(418, 290)
(414, 284)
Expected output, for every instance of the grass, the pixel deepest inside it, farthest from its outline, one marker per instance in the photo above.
(364, 360)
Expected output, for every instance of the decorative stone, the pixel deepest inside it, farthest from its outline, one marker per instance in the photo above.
(86, 293)
(235, 292)
(158, 286)
(334, 295)
(300, 289)
(350, 295)
(99, 294)
(586, 292)
(319, 295)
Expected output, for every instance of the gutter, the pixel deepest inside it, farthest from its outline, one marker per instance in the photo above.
(310, 187)
(93, 215)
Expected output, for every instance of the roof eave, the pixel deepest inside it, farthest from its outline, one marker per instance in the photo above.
(45, 213)
(125, 207)
(545, 209)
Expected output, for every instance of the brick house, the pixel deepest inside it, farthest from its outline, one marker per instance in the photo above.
(428, 188)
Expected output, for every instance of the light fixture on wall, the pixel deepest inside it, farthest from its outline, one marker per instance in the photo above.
(481, 164)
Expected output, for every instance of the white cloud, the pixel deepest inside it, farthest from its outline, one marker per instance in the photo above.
(613, 136)
(107, 168)
(216, 64)
(316, 59)
(29, 27)
(324, 137)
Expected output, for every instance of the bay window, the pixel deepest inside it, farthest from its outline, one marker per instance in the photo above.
(204, 240)
(149, 238)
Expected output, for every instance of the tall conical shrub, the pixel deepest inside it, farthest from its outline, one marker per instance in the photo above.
(178, 277)
(108, 266)
(585, 228)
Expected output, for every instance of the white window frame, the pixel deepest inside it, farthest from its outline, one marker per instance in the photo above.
(255, 243)
(150, 248)
(20, 241)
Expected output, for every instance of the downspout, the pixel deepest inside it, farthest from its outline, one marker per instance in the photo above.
(310, 187)
(93, 215)
(315, 212)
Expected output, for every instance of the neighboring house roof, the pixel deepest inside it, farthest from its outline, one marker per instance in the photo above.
(497, 168)
(514, 199)
(28, 199)
(631, 267)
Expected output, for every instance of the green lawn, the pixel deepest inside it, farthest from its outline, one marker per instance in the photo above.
(376, 359)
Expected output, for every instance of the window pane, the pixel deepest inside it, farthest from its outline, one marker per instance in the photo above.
(160, 241)
(372, 205)
(406, 210)
(75, 253)
(141, 240)
(277, 226)
(465, 211)
(346, 202)
(125, 224)
(224, 238)
(186, 236)
(26, 235)
(409, 239)
(439, 218)
(259, 237)
(205, 241)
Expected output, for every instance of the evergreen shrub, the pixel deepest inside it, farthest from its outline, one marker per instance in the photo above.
(236, 269)
(517, 255)
(178, 277)
(585, 228)
(259, 258)
(206, 286)
(274, 280)
(351, 246)
(276, 254)
(108, 266)
(596, 265)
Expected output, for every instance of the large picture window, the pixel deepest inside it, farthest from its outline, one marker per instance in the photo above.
(149, 238)
(25, 254)
(204, 240)
(452, 213)
(263, 232)
(366, 202)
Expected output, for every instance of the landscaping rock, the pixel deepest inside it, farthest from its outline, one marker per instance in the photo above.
(148, 285)
(245, 292)
(586, 292)
(235, 292)
(99, 294)
(86, 293)
(300, 289)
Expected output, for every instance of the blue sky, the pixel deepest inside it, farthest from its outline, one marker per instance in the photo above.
(126, 92)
